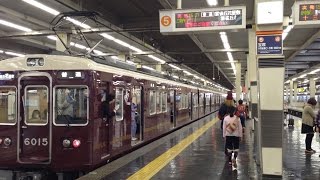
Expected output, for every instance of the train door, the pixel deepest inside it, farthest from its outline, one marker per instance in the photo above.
(35, 123)
(173, 108)
(106, 126)
(137, 100)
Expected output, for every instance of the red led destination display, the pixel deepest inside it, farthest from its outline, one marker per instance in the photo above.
(309, 12)
(208, 18)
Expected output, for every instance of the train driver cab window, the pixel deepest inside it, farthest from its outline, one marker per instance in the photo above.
(36, 105)
(164, 101)
(119, 104)
(71, 105)
(7, 105)
(152, 102)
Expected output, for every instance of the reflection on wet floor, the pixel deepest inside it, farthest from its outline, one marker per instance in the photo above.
(205, 159)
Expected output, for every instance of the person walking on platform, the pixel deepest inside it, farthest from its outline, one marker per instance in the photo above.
(232, 132)
(308, 123)
(241, 113)
(223, 112)
(224, 107)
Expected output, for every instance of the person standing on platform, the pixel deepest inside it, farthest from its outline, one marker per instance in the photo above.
(308, 117)
(232, 132)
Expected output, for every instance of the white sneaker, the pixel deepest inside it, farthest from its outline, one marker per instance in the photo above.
(134, 138)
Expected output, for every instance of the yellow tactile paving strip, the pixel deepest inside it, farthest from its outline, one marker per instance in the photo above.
(156, 165)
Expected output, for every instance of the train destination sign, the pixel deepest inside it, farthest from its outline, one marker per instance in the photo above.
(269, 44)
(177, 21)
(306, 13)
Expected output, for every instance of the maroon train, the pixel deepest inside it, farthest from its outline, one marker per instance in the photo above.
(62, 113)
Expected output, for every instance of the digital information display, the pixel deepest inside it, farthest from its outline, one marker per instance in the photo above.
(175, 21)
(309, 12)
(306, 14)
(269, 44)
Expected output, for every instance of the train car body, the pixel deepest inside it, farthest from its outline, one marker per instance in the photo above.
(64, 113)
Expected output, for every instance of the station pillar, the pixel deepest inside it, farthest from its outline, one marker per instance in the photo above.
(295, 89)
(291, 92)
(238, 81)
(312, 86)
(65, 38)
(252, 75)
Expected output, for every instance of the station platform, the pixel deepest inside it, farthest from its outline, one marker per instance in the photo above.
(197, 152)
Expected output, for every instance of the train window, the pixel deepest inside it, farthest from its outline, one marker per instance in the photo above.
(195, 100)
(119, 104)
(71, 105)
(7, 105)
(159, 103)
(164, 101)
(36, 105)
(201, 99)
(186, 101)
(152, 102)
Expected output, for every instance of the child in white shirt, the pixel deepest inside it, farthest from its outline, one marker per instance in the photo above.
(232, 132)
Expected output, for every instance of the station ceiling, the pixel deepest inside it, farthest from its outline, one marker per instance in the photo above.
(136, 22)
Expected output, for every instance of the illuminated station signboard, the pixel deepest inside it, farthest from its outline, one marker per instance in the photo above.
(306, 13)
(175, 21)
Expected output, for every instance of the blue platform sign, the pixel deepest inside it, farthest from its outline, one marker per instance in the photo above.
(269, 44)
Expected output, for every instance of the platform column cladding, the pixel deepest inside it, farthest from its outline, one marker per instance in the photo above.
(291, 92)
(312, 85)
(252, 75)
(238, 81)
(295, 92)
(270, 84)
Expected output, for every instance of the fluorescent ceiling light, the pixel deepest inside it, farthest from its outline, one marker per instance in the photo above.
(122, 43)
(314, 71)
(100, 53)
(303, 75)
(294, 79)
(15, 26)
(175, 67)
(147, 67)
(197, 77)
(105, 35)
(176, 77)
(212, 2)
(78, 23)
(286, 31)
(157, 59)
(135, 49)
(1, 51)
(52, 37)
(187, 72)
(42, 6)
(14, 54)
(55, 13)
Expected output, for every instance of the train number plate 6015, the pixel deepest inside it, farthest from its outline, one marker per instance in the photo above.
(35, 141)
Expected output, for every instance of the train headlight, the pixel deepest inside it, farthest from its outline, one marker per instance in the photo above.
(0, 141)
(7, 141)
(66, 143)
(76, 143)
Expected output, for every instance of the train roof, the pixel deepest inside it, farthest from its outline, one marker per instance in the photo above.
(61, 62)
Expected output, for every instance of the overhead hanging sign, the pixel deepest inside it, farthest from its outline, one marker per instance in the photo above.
(193, 20)
(306, 13)
(269, 44)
